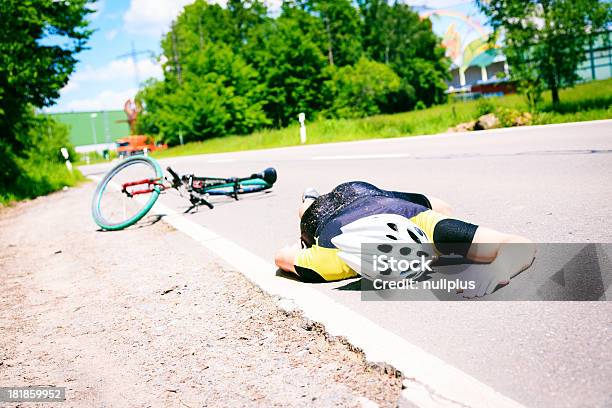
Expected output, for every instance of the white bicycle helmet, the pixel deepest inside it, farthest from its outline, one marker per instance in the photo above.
(382, 229)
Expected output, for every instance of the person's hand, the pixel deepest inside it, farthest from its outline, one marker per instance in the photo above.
(511, 260)
(285, 257)
(484, 278)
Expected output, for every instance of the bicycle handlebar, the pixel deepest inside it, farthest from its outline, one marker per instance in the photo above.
(268, 175)
(176, 180)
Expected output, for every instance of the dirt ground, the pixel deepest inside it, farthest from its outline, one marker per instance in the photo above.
(146, 317)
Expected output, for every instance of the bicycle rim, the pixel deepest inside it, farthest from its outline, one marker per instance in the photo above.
(111, 208)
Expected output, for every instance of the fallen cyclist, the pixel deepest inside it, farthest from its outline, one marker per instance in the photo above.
(358, 212)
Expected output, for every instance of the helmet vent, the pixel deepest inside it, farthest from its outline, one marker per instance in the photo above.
(420, 231)
(385, 248)
(381, 232)
(414, 236)
(392, 226)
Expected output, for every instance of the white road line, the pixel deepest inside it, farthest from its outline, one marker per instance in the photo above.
(383, 141)
(430, 381)
(362, 156)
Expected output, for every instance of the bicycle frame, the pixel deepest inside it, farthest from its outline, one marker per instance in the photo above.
(197, 187)
(155, 182)
(110, 217)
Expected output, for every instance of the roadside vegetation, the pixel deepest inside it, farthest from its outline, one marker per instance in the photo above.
(590, 101)
(235, 77)
(544, 41)
(39, 167)
(32, 72)
(237, 70)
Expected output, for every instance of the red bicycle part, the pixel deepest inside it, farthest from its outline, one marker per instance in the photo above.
(151, 184)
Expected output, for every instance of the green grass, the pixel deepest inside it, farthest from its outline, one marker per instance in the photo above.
(94, 158)
(39, 178)
(588, 101)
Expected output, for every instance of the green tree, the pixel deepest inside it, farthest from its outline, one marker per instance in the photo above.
(544, 40)
(291, 64)
(340, 27)
(365, 89)
(152, 97)
(38, 43)
(246, 16)
(196, 28)
(208, 88)
(396, 35)
(378, 30)
(218, 95)
(202, 24)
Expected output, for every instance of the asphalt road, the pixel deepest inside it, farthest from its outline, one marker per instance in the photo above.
(549, 183)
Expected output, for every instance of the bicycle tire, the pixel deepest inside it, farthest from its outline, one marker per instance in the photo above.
(244, 187)
(97, 198)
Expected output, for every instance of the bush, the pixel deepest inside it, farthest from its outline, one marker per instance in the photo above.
(420, 105)
(485, 106)
(218, 95)
(39, 168)
(365, 89)
(513, 117)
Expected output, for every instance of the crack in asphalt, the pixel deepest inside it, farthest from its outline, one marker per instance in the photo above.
(434, 394)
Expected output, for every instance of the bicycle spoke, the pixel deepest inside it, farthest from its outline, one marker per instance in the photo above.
(126, 193)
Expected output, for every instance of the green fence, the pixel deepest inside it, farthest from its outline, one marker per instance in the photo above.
(598, 64)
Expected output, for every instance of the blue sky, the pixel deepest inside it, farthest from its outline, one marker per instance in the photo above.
(104, 81)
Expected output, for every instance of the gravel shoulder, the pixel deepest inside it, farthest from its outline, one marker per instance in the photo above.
(147, 317)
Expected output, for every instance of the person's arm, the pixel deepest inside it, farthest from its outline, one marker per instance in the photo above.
(507, 255)
(440, 206)
(491, 244)
(285, 258)
(314, 264)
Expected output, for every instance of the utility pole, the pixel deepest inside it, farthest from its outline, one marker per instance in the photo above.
(133, 55)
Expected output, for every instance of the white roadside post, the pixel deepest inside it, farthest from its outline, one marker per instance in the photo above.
(302, 119)
(93, 128)
(64, 152)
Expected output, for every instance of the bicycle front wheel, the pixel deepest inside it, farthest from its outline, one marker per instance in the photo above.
(126, 193)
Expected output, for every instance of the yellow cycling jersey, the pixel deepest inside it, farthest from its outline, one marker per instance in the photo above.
(323, 220)
(319, 263)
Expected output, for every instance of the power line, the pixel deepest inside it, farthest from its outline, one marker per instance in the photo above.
(133, 54)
